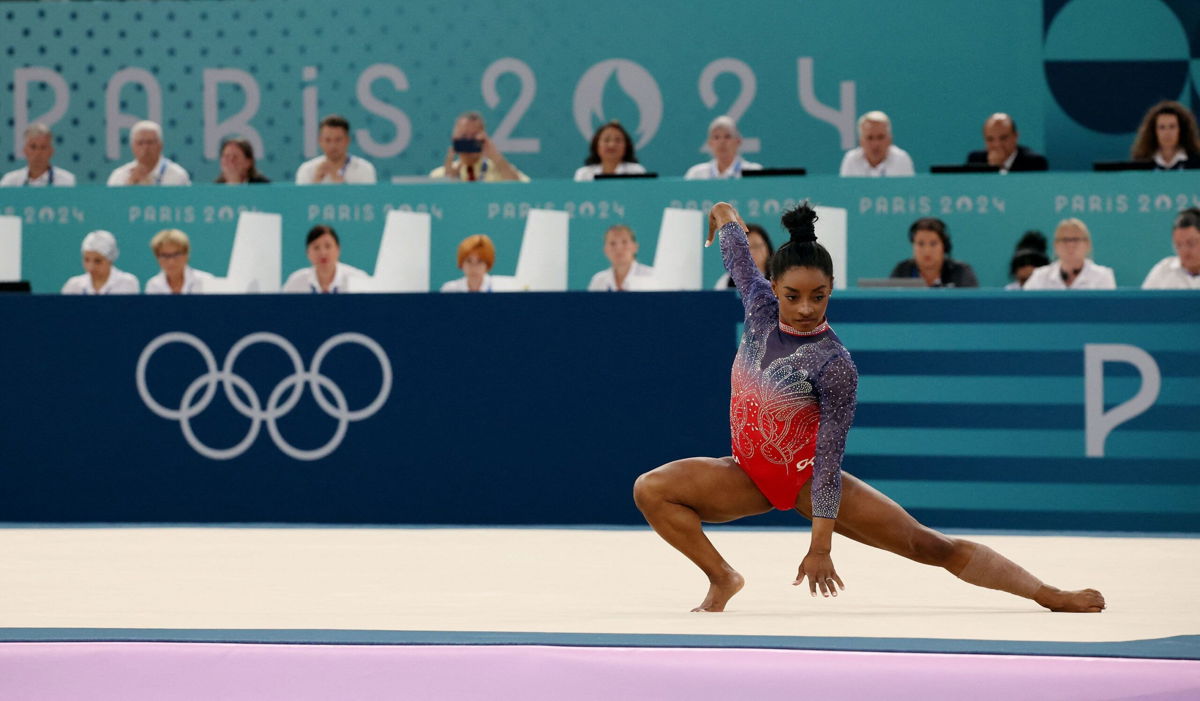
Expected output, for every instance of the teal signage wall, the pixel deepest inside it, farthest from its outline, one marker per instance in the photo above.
(976, 409)
(1076, 75)
(1129, 215)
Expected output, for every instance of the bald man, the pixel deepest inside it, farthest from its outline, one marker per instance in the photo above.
(1002, 150)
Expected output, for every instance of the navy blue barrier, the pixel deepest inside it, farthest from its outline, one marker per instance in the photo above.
(543, 408)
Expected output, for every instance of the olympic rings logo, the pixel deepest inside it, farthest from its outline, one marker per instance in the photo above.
(205, 388)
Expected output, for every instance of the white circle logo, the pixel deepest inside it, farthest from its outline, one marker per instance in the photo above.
(201, 391)
(637, 83)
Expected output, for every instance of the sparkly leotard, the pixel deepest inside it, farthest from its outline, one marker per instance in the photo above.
(792, 394)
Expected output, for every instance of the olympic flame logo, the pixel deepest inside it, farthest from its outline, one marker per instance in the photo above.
(200, 393)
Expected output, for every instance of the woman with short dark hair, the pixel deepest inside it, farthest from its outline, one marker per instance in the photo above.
(931, 259)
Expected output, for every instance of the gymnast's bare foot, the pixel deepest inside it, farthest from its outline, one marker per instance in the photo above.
(1082, 601)
(720, 591)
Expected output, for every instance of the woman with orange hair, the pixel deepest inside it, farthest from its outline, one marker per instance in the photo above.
(476, 256)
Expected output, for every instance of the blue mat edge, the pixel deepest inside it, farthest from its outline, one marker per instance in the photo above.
(1180, 647)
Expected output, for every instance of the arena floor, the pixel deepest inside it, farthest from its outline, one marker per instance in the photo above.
(181, 591)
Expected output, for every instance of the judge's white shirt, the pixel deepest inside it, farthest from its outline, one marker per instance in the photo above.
(193, 282)
(709, 170)
(491, 283)
(58, 177)
(1092, 277)
(119, 283)
(897, 162)
(356, 171)
(623, 168)
(1169, 274)
(640, 277)
(165, 172)
(305, 280)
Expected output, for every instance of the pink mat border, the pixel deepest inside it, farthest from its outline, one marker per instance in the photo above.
(141, 671)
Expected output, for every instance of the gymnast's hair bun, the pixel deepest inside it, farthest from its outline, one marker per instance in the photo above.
(799, 223)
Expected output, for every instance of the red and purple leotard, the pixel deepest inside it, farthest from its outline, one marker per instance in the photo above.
(792, 394)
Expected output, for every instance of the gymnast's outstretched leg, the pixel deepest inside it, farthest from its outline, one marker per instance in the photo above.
(677, 497)
(870, 517)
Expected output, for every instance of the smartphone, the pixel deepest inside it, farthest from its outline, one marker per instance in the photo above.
(468, 145)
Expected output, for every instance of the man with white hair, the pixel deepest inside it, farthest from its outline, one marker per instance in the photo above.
(876, 156)
(148, 166)
(724, 141)
(39, 149)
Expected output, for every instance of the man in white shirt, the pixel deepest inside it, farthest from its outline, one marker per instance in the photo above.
(876, 155)
(1181, 271)
(39, 149)
(148, 166)
(473, 157)
(725, 143)
(337, 166)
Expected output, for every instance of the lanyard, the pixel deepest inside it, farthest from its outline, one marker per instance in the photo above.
(483, 167)
(49, 176)
(161, 171)
(736, 172)
(345, 165)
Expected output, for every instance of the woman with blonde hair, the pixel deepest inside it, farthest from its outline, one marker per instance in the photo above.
(1073, 268)
(171, 249)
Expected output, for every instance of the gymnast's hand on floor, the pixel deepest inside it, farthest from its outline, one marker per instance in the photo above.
(818, 567)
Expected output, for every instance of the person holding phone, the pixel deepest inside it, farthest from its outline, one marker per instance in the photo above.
(473, 157)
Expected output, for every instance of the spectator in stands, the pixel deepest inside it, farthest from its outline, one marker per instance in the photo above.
(473, 157)
(102, 277)
(149, 166)
(760, 249)
(171, 249)
(724, 141)
(336, 166)
(237, 164)
(1029, 256)
(625, 274)
(476, 256)
(1168, 136)
(38, 150)
(1182, 270)
(327, 274)
(610, 153)
(876, 155)
(1002, 150)
(1074, 269)
(931, 259)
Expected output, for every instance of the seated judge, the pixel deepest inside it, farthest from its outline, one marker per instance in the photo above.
(327, 274)
(610, 153)
(625, 273)
(100, 276)
(931, 259)
(172, 249)
(725, 143)
(1182, 270)
(38, 150)
(476, 257)
(1073, 269)
(1002, 150)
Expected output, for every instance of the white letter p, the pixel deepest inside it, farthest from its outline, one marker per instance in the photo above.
(1098, 423)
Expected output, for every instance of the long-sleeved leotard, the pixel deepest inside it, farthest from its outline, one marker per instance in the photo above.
(792, 394)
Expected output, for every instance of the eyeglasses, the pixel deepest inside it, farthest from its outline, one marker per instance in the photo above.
(169, 256)
(1071, 239)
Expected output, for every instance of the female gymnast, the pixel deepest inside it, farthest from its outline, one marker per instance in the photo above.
(792, 403)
